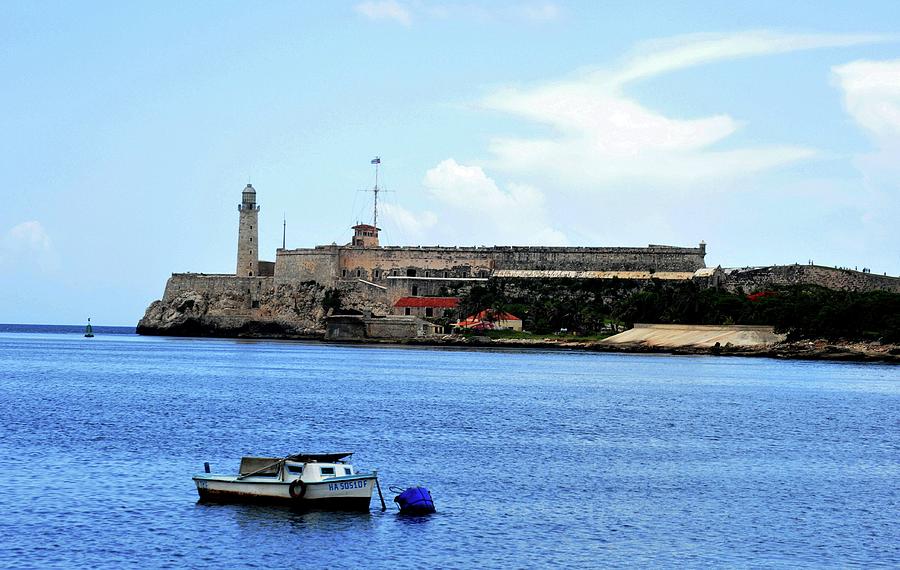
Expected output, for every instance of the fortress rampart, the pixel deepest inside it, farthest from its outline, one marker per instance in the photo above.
(329, 264)
(241, 290)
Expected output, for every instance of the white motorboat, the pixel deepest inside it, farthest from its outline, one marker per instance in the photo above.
(306, 480)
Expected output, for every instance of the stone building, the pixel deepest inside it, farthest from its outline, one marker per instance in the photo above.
(427, 307)
(359, 327)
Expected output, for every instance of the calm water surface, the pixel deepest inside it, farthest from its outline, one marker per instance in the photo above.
(534, 458)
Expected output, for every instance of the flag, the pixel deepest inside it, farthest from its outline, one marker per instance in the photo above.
(376, 160)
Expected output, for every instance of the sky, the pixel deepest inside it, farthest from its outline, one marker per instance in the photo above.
(768, 130)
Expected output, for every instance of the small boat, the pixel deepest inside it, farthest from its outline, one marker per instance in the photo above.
(305, 480)
(89, 330)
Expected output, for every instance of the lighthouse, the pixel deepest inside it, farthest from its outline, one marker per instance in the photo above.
(248, 234)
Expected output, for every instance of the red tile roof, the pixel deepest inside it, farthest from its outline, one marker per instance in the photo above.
(486, 319)
(490, 314)
(433, 302)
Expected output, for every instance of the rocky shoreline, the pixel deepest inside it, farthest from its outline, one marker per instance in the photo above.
(837, 351)
(818, 349)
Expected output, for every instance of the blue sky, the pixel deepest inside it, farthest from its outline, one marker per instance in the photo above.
(770, 130)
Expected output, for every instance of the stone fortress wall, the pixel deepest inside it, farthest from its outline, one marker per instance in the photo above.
(237, 296)
(330, 264)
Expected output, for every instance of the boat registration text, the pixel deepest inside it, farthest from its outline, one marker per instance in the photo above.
(344, 485)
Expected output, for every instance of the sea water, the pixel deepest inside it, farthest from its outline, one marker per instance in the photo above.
(534, 458)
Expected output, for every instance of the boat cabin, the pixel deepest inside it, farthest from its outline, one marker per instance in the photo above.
(309, 468)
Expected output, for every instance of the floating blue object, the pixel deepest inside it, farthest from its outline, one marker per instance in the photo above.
(415, 501)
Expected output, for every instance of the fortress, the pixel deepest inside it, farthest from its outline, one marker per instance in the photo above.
(293, 295)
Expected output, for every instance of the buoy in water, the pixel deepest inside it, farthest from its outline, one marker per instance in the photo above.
(415, 501)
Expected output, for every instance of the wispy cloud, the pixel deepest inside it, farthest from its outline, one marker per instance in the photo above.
(384, 10)
(602, 135)
(680, 52)
(540, 11)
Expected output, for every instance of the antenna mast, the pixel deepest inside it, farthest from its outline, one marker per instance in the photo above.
(283, 230)
(377, 162)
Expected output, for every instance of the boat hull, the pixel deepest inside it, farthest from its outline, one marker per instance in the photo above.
(346, 494)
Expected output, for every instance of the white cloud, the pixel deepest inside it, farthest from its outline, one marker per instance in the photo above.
(28, 236)
(613, 171)
(603, 136)
(872, 95)
(27, 244)
(412, 227)
(384, 10)
(477, 207)
(871, 92)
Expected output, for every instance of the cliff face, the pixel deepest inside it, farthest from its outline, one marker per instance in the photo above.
(229, 306)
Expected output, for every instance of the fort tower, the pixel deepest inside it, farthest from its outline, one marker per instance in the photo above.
(365, 235)
(248, 234)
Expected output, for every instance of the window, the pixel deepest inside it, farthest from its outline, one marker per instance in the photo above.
(327, 470)
(446, 274)
(376, 274)
(348, 471)
(406, 311)
(343, 272)
(358, 273)
(251, 239)
(429, 312)
(295, 468)
(415, 290)
(251, 274)
(410, 272)
(254, 304)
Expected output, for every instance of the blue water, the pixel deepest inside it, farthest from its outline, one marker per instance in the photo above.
(534, 458)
